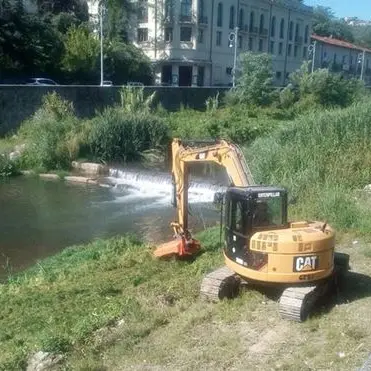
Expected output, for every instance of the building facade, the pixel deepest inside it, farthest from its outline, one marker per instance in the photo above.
(190, 41)
(342, 56)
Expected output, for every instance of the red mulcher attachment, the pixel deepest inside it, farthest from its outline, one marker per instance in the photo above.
(181, 247)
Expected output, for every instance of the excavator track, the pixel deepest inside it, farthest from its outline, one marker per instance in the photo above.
(220, 284)
(296, 303)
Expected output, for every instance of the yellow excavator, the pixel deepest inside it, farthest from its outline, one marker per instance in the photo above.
(261, 247)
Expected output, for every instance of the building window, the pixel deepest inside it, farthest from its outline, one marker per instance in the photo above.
(252, 21)
(186, 8)
(143, 11)
(282, 29)
(220, 15)
(305, 52)
(306, 34)
(291, 30)
(278, 75)
(297, 31)
(280, 48)
(201, 9)
(241, 19)
(271, 47)
(168, 34)
(350, 60)
(260, 45)
(273, 27)
(228, 70)
(251, 44)
(231, 17)
(289, 50)
(295, 51)
(142, 35)
(344, 59)
(335, 58)
(185, 33)
(200, 36)
(218, 38)
(168, 9)
(240, 42)
(261, 24)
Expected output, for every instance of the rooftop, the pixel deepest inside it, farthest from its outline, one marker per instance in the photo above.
(341, 43)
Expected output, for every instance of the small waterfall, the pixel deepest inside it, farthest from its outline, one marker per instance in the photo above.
(137, 185)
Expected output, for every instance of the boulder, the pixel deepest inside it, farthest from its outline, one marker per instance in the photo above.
(91, 168)
(80, 179)
(49, 176)
(43, 361)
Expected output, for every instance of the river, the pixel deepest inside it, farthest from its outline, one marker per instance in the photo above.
(40, 217)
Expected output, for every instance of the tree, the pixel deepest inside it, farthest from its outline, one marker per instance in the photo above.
(254, 79)
(28, 43)
(81, 55)
(78, 8)
(326, 24)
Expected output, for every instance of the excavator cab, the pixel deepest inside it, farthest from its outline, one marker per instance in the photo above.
(249, 210)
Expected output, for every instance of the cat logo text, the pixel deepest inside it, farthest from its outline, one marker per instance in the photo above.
(305, 263)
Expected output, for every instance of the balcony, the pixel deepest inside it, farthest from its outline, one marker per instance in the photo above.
(263, 32)
(186, 18)
(202, 20)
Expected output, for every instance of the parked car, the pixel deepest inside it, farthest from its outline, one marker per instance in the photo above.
(107, 83)
(40, 81)
(135, 83)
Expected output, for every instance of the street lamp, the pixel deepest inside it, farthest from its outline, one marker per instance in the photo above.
(101, 13)
(361, 59)
(312, 52)
(233, 38)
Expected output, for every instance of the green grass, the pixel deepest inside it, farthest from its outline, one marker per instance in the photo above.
(62, 300)
(110, 305)
(322, 158)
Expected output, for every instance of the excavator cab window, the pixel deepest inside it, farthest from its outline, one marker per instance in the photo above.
(249, 210)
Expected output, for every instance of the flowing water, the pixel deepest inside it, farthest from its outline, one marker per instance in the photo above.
(40, 217)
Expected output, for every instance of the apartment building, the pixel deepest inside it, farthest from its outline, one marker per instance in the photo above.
(342, 56)
(188, 41)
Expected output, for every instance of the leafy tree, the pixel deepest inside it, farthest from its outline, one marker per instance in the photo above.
(28, 43)
(81, 53)
(254, 79)
(78, 8)
(326, 24)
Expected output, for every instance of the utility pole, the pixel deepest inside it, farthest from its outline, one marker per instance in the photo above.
(101, 45)
(233, 39)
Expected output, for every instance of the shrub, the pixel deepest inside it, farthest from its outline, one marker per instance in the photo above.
(116, 135)
(325, 88)
(254, 80)
(51, 135)
(7, 167)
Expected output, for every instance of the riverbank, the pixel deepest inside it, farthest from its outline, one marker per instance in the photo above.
(109, 305)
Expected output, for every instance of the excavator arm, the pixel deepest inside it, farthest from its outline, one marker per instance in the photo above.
(227, 155)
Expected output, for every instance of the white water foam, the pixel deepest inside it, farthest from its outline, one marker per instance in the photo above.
(158, 187)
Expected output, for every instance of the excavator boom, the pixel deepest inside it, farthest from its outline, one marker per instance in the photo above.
(223, 153)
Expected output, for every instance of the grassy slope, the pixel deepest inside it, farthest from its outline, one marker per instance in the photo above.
(148, 313)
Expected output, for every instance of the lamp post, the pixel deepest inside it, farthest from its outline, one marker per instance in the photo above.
(312, 51)
(101, 11)
(233, 39)
(361, 59)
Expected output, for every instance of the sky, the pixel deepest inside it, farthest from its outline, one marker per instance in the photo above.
(346, 8)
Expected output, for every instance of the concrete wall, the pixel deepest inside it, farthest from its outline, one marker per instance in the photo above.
(18, 103)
